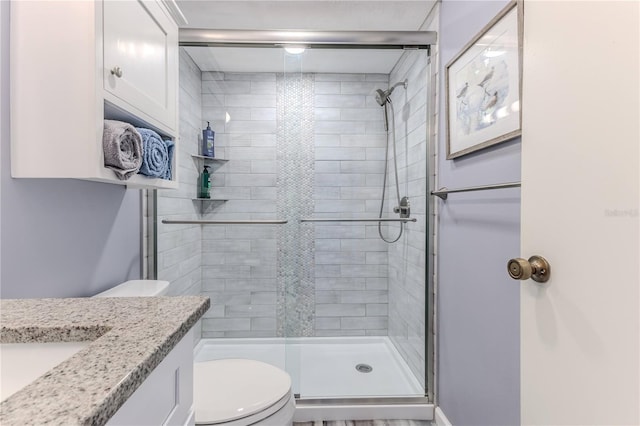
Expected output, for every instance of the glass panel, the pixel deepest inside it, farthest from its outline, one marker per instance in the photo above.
(369, 278)
(236, 265)
(294, 142)
(304, 138)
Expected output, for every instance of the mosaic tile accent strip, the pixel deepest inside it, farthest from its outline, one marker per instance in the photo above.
(295, 183)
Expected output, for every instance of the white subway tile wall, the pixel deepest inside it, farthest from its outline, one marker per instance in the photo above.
(347, 168)
(240, 262)
(179, 255)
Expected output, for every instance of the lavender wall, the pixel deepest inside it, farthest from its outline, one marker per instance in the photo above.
(61, 238)
(478, 305)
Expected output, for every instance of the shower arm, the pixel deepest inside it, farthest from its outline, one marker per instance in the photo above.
(400, 83)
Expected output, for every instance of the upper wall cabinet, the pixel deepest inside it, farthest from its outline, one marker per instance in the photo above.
(139, 57)
(75, 64)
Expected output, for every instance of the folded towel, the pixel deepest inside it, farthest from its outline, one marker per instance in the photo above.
(122, 146)
(156, 155)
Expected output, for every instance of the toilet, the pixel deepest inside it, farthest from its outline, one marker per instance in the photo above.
(241, 392)
(228, 392)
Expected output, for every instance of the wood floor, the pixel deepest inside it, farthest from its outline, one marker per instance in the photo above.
(366, 423)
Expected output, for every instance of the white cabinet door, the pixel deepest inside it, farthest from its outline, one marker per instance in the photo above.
(580, 192)
(166, 396)
(140, 57)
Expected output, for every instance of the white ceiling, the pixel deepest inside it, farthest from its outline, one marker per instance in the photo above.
(395, 15)
(354, 15)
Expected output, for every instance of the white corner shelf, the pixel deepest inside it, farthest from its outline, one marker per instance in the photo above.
(205, 159)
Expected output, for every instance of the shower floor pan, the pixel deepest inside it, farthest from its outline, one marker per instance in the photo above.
(325, 367)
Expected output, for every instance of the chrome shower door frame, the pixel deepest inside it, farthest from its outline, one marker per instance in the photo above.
(388, 40)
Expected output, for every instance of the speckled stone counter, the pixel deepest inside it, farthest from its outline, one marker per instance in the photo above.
(130, 337)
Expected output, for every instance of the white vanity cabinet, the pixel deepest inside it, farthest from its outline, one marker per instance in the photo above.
(76, 63)
(166, 396)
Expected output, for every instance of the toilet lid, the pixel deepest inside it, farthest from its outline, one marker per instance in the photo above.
(229, 389)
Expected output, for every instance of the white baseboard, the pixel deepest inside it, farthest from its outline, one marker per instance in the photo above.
(440, 419)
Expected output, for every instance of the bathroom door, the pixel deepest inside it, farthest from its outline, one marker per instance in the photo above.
(580, 331)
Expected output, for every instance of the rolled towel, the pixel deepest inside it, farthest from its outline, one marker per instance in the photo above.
(170, 145)
(122, 146)
(156, 155)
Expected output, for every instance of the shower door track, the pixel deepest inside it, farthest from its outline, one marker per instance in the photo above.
(391, 408)
(409, 40)
(378, 400)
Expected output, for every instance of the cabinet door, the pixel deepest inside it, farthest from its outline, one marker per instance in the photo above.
(140, 57)
(166, 396)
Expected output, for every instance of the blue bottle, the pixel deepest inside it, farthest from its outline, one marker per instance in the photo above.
(207, 141)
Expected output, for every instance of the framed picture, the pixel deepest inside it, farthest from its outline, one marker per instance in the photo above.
(483, 86)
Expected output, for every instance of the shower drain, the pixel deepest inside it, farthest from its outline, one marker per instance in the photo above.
(364, 368)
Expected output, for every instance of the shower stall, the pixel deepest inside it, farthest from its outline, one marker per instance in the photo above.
(315, 246)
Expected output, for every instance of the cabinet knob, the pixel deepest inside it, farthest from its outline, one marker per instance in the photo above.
(536, 268)
(117, 71)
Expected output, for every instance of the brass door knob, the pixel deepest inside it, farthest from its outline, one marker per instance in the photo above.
(536, 268)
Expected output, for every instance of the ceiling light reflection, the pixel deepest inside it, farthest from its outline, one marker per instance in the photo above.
(295, 50)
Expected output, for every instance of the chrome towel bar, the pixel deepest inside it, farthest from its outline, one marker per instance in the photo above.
(442, 193)
(404, 220)
(224, 222)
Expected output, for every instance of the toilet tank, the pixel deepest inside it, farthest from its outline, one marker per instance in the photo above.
(137, 288)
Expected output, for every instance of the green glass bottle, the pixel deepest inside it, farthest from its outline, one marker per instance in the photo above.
(205, 184)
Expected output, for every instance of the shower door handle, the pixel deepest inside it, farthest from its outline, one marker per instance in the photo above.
(364, 219)
(226, 222)
(537, 268)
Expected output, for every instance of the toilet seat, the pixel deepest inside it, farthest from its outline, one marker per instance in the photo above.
(239, 391)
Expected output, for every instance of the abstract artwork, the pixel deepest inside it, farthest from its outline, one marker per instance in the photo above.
(483, 87)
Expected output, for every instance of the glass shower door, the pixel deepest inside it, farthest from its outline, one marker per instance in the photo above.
(297, 140)
(356, 313)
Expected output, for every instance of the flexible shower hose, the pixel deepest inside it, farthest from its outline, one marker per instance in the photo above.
(395, 168)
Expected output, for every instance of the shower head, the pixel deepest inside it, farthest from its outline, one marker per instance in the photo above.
(382, 96)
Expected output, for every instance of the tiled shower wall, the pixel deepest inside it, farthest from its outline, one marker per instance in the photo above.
(240, 263)
(179, 256)
(407, 257)
(351, 260)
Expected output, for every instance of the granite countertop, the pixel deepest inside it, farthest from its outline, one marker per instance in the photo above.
(130, 337)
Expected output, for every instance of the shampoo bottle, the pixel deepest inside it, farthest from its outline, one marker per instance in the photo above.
(207, 141)
(205, 184)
